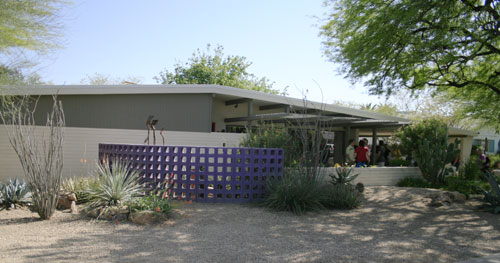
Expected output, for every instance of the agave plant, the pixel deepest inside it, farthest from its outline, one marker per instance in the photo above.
(343, 175)
(492, 197)
(116, 186)
(14, 194)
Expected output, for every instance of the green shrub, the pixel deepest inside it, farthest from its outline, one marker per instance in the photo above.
(494, 160)
(464, 186)
(273, 137)
(294, 192)
(470, 170)
(399, 163)
(116, 186)
(427, 143)
(452, 183)
(492, 198)
(343, 176)
(341, 196)
(80, 186)
(14, 194)
(152, 202)
(414, 182)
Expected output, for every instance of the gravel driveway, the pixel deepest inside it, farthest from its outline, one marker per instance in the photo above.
(392, 225)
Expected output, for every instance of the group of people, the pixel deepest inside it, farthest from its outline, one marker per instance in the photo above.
(360, 154)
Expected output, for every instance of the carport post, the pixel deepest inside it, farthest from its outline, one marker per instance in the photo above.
(374, 146)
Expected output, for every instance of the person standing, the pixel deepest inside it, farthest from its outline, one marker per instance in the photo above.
(350, 155)
(362, 154)
(483, 161)
(380, 153)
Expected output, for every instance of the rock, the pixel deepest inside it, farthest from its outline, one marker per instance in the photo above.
(147, 217)
(439, 199)
(113, 213)
(66, 200)
(72, 197)
(457, 197)
(476, 197)
(360, 187)
(74, 209)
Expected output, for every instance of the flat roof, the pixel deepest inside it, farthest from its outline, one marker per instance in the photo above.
(226, 93)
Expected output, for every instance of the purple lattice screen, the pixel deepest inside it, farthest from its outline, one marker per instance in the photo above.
(203, 174)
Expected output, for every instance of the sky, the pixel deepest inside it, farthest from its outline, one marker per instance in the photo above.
(139, 39)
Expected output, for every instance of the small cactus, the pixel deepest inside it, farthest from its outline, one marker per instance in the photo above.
(343, 175)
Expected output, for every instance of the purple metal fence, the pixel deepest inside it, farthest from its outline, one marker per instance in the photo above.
(203, 174)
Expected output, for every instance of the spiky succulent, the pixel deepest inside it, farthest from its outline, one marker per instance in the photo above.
(14, 194)
(116, 186)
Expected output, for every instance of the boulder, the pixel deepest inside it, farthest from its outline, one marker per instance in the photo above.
(66, 200)
(147, 217)
(439, 199)
(112, 213)
(74, 209)
(457, 197)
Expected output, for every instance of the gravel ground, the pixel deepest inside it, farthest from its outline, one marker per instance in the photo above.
(392, 225)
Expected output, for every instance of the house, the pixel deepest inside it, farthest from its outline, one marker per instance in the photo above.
(204, 115)
(489, 140)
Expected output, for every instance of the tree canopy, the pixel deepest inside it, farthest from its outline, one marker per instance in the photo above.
(216, 68)
(14, 76)
(29, 24)
(103, 79)
(449, 46)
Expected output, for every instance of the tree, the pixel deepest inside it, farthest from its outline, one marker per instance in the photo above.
(41, 157)
(448, 46)
(101, 79)
(216, 68)
(13, 76)
(29, 24)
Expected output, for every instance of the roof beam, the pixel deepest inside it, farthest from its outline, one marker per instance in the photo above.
(257, 117)
(237, 101)
(308, 111)
(273, 106)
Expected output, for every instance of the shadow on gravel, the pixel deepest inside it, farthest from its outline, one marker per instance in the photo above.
(375, 232)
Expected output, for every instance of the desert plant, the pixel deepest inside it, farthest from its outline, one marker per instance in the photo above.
(464, 186)
(80, 186)
(14, 194)
(275, 137)
(41, 157)
(294, 192)
(492, 198)
(427, 142)
(494, 160)
(343, 175)
(399, 162)
(341, 196)
(470, 170)
(116, 186)
(152, 202)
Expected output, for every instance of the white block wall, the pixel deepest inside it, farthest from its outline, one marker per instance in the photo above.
(81, 146)
(378, 175)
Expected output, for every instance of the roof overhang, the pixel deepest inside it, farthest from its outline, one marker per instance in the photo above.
(228, 94)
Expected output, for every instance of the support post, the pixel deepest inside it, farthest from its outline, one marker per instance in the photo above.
(374, 146)
(250, 114)
(347, 135)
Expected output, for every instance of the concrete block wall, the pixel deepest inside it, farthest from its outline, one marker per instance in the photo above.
(81, 146)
